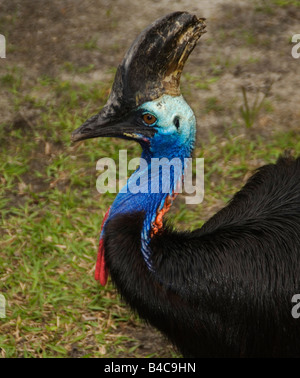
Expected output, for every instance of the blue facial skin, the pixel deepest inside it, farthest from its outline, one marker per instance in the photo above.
(171, 140)
(174, 138)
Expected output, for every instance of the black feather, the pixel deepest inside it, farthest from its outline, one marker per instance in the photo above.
(223, 290)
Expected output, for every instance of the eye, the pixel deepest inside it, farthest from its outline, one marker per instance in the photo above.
(149, 119)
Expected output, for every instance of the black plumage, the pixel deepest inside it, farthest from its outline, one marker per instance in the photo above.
(225, 289)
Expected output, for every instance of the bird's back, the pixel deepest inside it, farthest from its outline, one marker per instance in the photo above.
(242, 268)
(271, 193)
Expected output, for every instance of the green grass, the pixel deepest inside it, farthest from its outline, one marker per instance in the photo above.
(270, 6)
(212, 104)
(250, 112)
(51, 215)
(201, 82)
(50, 220)
(283, 3)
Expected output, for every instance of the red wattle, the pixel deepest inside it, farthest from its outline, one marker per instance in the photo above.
(101, 272)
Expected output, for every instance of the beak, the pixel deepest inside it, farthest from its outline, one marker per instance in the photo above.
(96, 127)
(151, 68)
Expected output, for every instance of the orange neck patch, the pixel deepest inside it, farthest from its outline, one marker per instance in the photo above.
(157, 225)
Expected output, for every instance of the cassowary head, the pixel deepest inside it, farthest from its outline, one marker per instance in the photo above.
(145, 102)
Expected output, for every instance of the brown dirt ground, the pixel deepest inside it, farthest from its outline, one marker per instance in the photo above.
(243, 46)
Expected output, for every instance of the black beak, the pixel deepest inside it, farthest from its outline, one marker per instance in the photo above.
(151, 68)
(96, 127)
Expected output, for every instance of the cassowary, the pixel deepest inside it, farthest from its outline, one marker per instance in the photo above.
(224, 290)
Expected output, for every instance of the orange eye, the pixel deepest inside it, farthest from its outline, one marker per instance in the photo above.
(149, 119)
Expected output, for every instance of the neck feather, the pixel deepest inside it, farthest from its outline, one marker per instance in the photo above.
(150, 189)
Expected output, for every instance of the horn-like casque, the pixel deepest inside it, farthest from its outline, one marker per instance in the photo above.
(151, 68)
